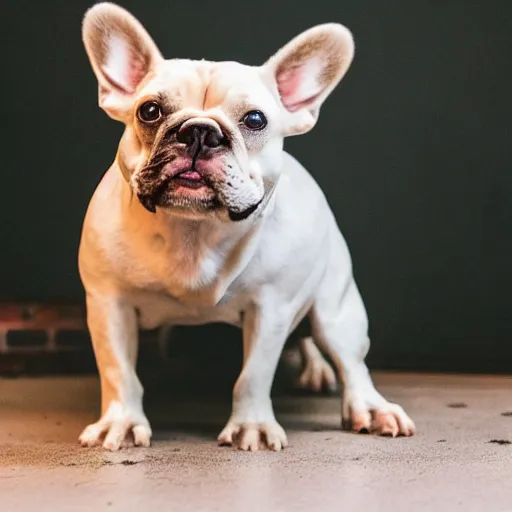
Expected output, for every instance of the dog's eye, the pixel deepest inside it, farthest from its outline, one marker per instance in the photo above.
(254, 120)
(149, 112)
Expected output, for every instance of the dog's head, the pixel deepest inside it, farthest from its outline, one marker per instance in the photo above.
(205, 137)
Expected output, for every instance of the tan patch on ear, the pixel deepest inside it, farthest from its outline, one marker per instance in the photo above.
(325, 47)
(307, 69)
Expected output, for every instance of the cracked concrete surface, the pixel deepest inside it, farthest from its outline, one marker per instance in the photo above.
(459, 460)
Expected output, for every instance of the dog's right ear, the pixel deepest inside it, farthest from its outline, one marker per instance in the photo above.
(306, 70)
(121, 53)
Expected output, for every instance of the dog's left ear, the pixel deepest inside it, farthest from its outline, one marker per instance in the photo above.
(306, 70)
(121, 53)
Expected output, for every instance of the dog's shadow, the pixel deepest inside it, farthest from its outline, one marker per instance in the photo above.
(189, 390)
(210, 423)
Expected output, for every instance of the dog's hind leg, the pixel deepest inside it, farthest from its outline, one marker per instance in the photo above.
(317, 374)
(340, 326)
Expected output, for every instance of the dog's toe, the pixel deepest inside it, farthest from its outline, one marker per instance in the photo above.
(115, 435)
(252, 437)
(386, 420)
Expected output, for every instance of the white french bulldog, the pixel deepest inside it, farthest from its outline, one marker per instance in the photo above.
(204, 218)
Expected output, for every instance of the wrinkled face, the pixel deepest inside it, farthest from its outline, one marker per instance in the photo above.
(208, 137)
(201, 137)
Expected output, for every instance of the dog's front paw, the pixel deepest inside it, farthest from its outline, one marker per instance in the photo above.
(387, 419)
(118, 429)
(253, 436)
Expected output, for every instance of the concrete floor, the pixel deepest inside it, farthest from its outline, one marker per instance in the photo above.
(451, 464)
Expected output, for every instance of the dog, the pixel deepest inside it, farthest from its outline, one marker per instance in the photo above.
(204, 218)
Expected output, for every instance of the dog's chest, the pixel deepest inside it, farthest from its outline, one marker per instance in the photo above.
(191, 276)
(185, 290)
(181, 292)
(181, 275)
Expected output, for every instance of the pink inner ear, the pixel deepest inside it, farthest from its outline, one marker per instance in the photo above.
(288, 85)
(125, 67)
(299, 85)
(132, 76)
(137, 70)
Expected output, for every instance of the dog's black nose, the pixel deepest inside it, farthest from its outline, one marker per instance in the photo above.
(200, 134)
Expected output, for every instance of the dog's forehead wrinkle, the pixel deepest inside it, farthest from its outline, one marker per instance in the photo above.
(183, 82)
(207, 85)
(234, 86)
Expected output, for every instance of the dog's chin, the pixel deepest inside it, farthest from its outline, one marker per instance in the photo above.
(189, 207)
(186, 199)
(189, 198)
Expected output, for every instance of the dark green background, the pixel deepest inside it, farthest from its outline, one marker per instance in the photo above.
(412, 150)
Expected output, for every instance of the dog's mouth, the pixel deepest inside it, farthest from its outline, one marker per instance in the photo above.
(196, 186)
(188, 183)
(189, 179)
(185, 188)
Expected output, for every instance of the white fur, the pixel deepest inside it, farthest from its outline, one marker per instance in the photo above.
(263, 274)
(296, 261)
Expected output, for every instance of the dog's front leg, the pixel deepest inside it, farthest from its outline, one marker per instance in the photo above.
(113, 327)
(252, 420)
